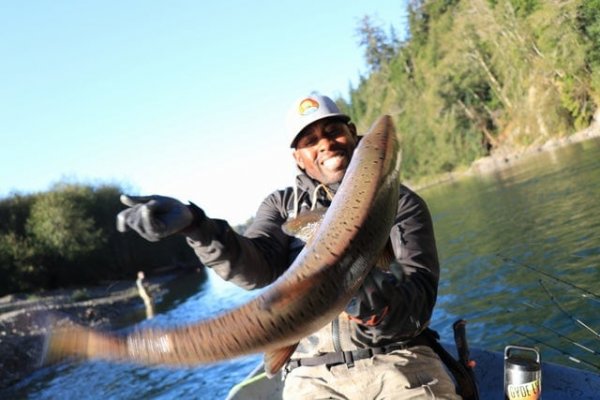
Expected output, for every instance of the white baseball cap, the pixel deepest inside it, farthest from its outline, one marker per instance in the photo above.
(308, 109)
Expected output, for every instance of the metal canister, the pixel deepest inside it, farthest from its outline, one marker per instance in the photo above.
(522, 373)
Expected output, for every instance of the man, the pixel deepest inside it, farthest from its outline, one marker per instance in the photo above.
(376, 348)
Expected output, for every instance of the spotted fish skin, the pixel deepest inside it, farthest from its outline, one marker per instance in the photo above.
(312, 292)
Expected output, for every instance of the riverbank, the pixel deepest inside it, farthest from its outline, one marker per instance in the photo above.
(25, 319)
(506, 157)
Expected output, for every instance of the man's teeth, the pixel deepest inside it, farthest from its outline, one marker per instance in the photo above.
(332, 162)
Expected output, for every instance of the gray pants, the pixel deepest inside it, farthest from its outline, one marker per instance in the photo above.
(417, 373)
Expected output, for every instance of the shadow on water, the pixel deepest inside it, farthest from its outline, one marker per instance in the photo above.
(544, 213)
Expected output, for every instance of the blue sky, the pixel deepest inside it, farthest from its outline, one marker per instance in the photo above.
(179, 98)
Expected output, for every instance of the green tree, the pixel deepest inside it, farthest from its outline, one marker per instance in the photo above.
(478, 76)
(67, 237)
(524, 7)
(588, 24)
(61, 222)
(379, 48)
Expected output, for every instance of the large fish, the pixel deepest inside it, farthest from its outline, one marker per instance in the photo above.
(311, 293)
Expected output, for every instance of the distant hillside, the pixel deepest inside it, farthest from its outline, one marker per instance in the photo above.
(475, 76)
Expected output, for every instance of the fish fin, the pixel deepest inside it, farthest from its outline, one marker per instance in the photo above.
(276, 359)
(304, 225)
(386, 257)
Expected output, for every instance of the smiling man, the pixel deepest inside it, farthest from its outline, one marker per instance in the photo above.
(379, 347)
(324, 148)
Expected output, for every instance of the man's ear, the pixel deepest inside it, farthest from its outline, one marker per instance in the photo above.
(299, 160)
(353, 130)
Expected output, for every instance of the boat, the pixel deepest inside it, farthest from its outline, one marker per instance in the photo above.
(559, 382)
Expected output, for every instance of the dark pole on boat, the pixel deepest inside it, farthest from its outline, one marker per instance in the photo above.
(462, 346)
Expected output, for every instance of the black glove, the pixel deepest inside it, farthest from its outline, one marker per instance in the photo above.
(154, 217)
(370, 304)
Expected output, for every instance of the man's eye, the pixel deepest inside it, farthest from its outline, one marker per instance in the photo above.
(333, 133)
(307, 141)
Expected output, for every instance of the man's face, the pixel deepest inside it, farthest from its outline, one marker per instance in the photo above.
(324, 150)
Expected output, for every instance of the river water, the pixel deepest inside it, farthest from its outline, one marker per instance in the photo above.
(508, 242)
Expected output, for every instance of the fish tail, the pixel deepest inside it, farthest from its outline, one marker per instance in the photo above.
(79, 342)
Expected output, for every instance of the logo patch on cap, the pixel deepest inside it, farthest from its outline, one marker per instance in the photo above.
(308, 106)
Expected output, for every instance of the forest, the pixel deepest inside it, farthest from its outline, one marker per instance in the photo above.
(468, 78)
(67, 237)
(474, 77)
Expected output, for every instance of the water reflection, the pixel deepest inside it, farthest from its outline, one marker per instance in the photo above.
(542, 212)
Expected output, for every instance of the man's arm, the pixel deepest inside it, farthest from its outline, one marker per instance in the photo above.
(250, 261)
(253, 260)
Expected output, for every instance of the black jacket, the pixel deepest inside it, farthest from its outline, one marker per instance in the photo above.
(390, 306)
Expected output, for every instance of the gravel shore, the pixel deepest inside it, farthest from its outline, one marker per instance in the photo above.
(25, 319)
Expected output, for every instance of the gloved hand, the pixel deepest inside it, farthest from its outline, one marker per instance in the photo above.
(153, 217)
(370, 304)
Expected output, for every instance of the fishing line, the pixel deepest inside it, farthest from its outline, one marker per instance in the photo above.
(557, 333)
(531, 305)
(561, 308)
(588, 294)
(594, 352)
(569, 356)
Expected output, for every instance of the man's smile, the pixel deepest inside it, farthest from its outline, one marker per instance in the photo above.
(334, 161)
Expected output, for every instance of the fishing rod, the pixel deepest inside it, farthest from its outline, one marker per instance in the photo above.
(594, 352)
(568, 355)
(561, 308)
(555, 332)
(586, 293)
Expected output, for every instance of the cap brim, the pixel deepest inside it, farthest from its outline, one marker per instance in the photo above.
(343, 117)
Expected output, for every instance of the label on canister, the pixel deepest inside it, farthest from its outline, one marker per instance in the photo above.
(525, 391)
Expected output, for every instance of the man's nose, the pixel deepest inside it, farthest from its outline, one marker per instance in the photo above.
(324, 143)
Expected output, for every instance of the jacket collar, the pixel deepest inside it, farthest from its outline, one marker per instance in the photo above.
(307, 187)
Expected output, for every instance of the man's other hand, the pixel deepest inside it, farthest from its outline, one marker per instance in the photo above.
(153, 217)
